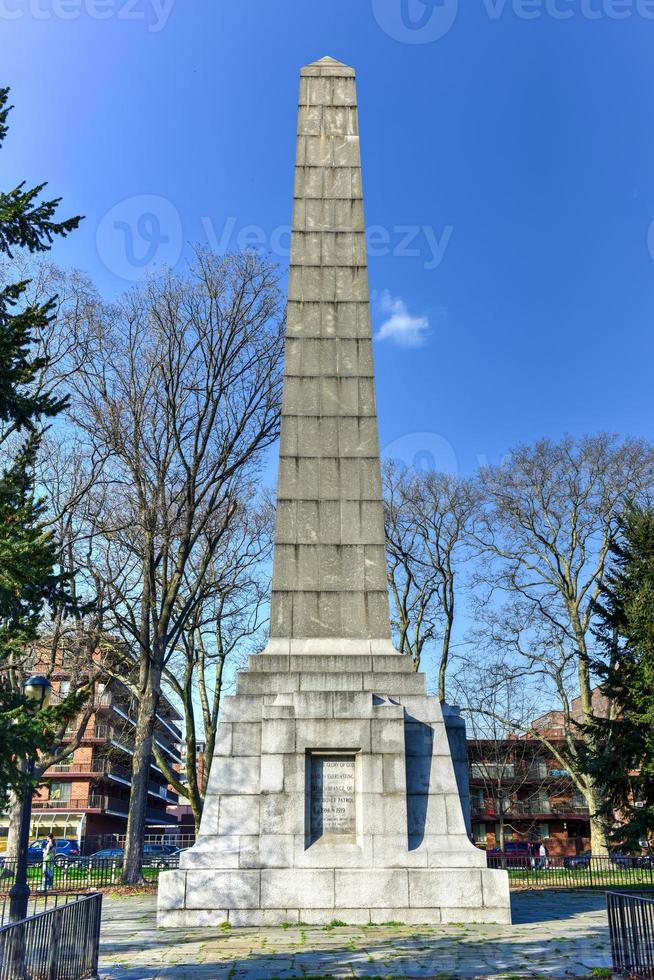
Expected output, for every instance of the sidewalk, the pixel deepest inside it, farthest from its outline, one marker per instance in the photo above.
(555, 934)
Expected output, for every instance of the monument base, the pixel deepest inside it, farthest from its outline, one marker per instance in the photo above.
(332, 795)
(318, 897)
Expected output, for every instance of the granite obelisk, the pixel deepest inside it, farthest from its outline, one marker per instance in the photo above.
(332, 791)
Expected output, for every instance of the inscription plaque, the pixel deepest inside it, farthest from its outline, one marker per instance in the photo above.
(332, 796)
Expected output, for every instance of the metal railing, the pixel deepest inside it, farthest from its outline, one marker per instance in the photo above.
(60, 943)
(582, 871)
(37, 902)
(79, 873)
(631, 927)
(93, 801)
(101, 766)
(528, 808)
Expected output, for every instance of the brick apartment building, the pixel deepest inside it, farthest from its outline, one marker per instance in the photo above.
(87, 794)
(518, 783)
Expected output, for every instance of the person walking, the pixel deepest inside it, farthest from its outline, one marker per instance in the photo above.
(542, 854)
(48, 862)
(533, 856)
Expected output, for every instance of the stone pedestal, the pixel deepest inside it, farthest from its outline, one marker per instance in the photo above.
(332, 795)
(332, 792)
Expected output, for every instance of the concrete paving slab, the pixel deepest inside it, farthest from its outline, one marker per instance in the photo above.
(554, 935)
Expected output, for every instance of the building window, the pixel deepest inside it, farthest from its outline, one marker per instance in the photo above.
(492, 770)
(508, 833)
(60, 791)
(504, 801)
(542, 831)
(479, 833)
(540, 802)
(538, 768)
(477, 797)
(64, 688)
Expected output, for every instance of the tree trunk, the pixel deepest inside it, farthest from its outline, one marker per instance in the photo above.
(141, 761)
(15, 811)
(501, 837)
(445, 653)
(598, 836)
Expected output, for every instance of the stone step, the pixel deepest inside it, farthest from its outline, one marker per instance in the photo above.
(339, 663)
(281, 682)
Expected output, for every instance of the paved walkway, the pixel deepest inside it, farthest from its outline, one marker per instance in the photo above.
(555, 934)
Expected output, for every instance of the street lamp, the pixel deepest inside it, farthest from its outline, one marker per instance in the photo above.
(37, 690)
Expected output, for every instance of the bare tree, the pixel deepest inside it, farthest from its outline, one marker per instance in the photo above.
(504, 764)
(549, 518)
(177, 387)
(429, 517)
(226, 624)
(67, 477)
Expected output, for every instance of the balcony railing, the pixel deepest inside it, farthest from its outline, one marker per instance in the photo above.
(94, 801)
(514, 772)
(528, 808)
(167, 797)
(95, 767)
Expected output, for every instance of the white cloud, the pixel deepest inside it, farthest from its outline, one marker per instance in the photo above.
(399, 325)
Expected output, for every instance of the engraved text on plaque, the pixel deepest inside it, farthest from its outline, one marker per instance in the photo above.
(332, 795)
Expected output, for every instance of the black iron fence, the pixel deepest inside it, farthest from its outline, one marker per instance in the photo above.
(631, 927)
(38, 902)
(581, 871)
(59, 943)
(79, 873)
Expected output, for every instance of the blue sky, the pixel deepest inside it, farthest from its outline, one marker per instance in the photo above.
(516, 149)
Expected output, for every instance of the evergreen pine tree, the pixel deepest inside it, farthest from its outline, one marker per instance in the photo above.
(624, 761)
(28, 554)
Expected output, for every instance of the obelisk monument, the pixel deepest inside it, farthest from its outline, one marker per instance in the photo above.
(332, 792)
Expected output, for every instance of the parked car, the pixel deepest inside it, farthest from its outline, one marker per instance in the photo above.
(105, 857)
(154, 850)
(515, 849)
(621, 860)
(577, 862)
(160, 855)
(65, 848)
(108, 854)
